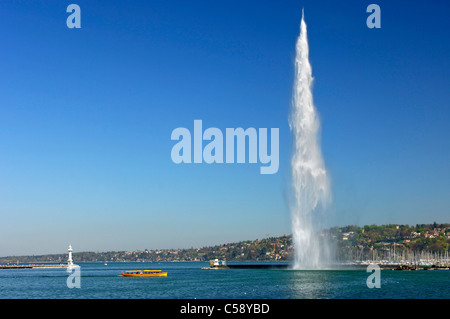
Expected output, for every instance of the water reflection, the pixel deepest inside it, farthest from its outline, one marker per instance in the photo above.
(310, 284)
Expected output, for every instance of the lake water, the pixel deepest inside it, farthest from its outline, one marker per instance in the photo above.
(186, 280)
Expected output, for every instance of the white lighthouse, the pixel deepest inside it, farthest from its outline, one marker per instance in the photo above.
(70, 261)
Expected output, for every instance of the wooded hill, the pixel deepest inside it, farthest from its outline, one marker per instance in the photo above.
(350, 242)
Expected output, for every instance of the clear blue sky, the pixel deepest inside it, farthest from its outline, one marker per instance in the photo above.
(86, 117)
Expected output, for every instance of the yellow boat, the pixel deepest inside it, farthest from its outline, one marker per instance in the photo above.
(144, 273)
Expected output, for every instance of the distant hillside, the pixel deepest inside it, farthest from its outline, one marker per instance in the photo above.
(351, 243)
(386, 241)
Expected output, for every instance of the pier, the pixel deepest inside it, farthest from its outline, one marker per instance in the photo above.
(33, 266)
(43, 265)
(250, 266)
(216, 264)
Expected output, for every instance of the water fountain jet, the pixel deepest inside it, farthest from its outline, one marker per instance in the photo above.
(311, 187)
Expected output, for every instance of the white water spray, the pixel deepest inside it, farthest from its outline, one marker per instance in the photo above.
(309, 176)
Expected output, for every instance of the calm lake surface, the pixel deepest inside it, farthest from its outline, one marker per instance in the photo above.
(186, 280)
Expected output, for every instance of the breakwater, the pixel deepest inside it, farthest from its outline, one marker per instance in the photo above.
(355, 266)
(32, 266)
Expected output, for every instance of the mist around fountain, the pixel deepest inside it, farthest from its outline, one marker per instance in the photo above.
(310, 182)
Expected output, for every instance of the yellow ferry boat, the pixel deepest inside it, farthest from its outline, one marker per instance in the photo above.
(144, 273)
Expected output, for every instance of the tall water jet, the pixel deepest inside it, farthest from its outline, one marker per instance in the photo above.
(309, 176)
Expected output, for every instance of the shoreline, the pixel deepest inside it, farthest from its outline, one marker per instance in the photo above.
(256, 265)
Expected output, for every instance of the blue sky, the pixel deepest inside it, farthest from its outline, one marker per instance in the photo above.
(86, 117)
